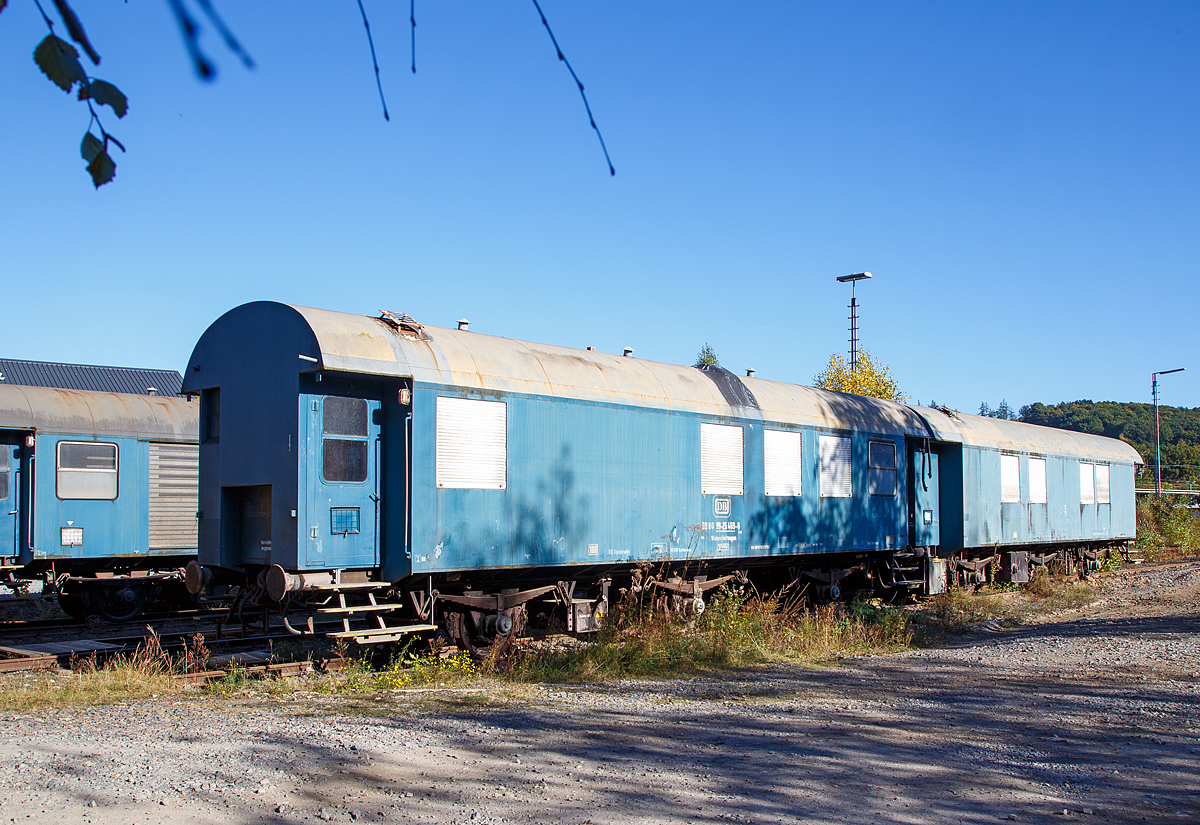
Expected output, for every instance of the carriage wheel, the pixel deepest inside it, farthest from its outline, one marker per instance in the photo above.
(118, 604)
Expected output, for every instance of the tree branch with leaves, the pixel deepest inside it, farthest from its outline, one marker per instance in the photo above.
(60, 61)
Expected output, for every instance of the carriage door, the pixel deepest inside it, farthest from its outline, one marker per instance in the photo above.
(8, 500)
(344, 506)
(924, 527)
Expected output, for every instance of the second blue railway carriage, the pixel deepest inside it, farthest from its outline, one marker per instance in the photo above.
(97, 494)
(336, 447)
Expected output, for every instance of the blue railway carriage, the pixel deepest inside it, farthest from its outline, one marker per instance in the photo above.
(342, 451)
(1013, 496)
(98, 494)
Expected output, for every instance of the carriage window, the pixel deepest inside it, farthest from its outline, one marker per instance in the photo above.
(4, 472)
(783, 469)
(87, 470)
(344, 446)
(1037, 481)
(721, 459)
(210, 414)
(881, 461)
(835, 467)
(1087, 483)
(472, 444)
(1102, 491)
(345, 416)
(343, 520)
(1010, 478)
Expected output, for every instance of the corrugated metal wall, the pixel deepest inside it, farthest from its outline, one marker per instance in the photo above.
(174, 470)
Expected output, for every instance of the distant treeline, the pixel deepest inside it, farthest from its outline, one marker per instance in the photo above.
(1179, 429)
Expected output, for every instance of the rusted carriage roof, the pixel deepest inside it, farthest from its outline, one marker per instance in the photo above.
(981, 431)
(364, 344)
(102, 413)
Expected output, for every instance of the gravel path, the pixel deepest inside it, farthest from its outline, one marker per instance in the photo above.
(1091, 715)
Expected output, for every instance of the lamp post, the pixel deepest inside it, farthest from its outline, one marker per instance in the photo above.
(1157, 451)
(853, 279)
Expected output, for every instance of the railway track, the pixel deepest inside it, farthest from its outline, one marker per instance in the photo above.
(50, 643)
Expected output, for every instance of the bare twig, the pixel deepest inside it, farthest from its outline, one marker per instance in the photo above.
(231, 42)
(374, 61)
(578, 83)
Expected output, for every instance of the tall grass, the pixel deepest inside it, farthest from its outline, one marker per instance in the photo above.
(143, 674)
(739, 628)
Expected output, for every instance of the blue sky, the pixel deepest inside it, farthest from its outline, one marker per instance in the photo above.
(1021, 178)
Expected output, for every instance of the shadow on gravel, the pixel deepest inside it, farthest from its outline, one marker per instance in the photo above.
(890, 742)
(886, 739)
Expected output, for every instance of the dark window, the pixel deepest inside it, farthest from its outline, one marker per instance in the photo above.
(210, 414)
(86, 455)
(87, 470)
(345, 416)
(881, 463)
(345, 460)
(344, 421)
(343, 520)
(5, 475)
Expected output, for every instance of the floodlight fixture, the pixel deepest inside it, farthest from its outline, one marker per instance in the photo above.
(853, 280)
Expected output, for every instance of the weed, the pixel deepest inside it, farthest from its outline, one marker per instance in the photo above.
(739, 628)
(430, 668)
(1166, 529)
(195, 655)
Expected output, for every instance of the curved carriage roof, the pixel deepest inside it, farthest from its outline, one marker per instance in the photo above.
(112, 414)
(995, 433)
(362, 344)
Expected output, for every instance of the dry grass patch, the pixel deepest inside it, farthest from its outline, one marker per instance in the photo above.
(740, 628)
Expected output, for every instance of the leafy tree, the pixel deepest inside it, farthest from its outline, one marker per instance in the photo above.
(1134, 424)
(706, 357)
(868, 378)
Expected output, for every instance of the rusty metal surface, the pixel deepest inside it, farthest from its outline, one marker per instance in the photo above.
(981, 431)
(102, 413)
(363, 344)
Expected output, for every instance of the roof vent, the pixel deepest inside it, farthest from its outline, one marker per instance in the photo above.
(151, 391)
(463, 324)
(590, 349)
(750, 372)
(628, 351)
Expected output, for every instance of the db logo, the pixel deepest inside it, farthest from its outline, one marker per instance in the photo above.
(721, 506)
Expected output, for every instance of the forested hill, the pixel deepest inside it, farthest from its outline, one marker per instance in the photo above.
(1134, 423)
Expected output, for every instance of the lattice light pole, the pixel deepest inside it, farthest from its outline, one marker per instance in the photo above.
(1157, 451)
(853, 279)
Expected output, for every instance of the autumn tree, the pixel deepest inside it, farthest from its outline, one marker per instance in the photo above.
(867, 378)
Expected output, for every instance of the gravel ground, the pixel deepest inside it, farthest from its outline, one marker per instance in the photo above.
(1089, 715)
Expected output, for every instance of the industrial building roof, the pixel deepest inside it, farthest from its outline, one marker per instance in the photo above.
(87, 377)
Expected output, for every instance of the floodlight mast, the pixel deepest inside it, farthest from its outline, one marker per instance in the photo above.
(853, 278)
(1157, 451)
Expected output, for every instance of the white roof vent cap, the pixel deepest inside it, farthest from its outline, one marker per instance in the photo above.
(628, 351)
(463, 323)
(750, 372)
